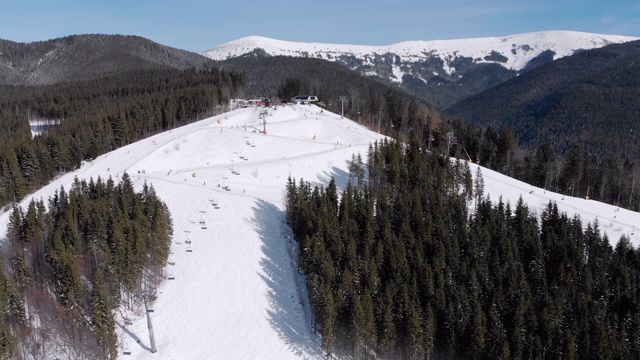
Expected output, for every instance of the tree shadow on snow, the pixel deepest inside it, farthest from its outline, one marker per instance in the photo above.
(340, 176)
(288, 312)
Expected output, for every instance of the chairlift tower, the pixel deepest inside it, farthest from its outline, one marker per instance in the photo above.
(263, 116)
(342, 100)
(152, 339)
(451, 140)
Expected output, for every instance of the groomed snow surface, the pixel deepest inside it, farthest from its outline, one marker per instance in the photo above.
(234, 293)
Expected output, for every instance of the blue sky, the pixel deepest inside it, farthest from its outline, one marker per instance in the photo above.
(198, 25)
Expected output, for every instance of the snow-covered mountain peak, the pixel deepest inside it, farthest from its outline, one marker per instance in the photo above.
(513, 51)
(442, 72)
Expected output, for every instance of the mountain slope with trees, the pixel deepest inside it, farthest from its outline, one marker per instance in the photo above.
(89, 250)
(589, 99)
(416, 263)
(98, 116)
(87, 57)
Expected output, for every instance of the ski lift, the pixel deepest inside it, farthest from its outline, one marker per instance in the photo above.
(150, 310)
(189, 249)
(126, 351)
(170, 276)
(203, 211)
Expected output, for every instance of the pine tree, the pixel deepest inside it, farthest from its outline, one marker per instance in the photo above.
(102, 319)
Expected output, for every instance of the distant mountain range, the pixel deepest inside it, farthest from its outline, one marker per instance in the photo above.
(85, 57)
(590, 99)
(441, 72)
(510, 80)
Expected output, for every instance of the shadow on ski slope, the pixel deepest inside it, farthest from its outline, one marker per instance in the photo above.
(287, 294)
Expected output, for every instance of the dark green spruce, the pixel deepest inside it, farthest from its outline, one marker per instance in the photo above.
(90, 250)
(399, 268)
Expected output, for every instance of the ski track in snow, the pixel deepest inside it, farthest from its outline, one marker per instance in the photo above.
(237, 294)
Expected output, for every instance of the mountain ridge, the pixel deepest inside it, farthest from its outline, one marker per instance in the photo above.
(441, 72)
(589, 98)
(88, 57)
(571, 41)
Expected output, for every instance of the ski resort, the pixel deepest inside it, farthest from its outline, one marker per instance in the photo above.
(233, 288)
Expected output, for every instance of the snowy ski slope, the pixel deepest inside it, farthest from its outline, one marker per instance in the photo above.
(234, 292)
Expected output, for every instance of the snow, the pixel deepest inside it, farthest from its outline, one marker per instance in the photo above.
(397, 73)
(236, 294)
(526, 46)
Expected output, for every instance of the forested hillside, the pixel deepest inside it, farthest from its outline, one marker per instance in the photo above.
(589, 99)
(73, 259)
(577, 172)
(415, 263)
(98, 116)
(88, 57)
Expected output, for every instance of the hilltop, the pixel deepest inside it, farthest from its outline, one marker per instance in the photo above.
(236, 293)
(88, 57)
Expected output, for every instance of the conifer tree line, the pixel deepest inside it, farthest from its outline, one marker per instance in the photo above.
(415, 263)
(571, 171)
(98, 116)
(75, 260)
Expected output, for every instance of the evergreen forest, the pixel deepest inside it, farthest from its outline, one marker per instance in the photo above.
(89, 250)
(409, 261)
(98, 116)
(576, 119)
(576, 172)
